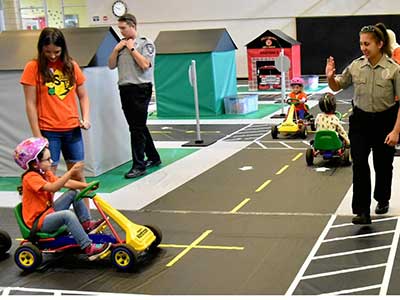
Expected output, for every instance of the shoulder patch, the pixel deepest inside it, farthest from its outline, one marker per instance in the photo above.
(150, 48)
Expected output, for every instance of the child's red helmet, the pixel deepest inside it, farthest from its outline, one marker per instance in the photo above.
(297, 81)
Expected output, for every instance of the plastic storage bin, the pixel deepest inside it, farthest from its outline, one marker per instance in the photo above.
(241, 104)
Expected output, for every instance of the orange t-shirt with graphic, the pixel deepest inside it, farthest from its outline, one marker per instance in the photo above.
(299, 96)
(56, 102)
(396, 55)
(34, 199)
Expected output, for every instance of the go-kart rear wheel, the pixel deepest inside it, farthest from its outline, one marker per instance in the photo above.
(28, 257)
(157, 232)
(312, 125)
(274, 131)
(5, 242)
(124, 257)
(346, 157)
(310, 157)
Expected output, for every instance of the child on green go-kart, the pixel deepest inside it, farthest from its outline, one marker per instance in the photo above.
(40, 211)
(328, 120)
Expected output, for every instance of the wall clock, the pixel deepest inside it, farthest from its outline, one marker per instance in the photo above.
(119, 8)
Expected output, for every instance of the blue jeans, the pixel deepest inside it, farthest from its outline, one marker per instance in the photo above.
(70, 143)
(64, 216)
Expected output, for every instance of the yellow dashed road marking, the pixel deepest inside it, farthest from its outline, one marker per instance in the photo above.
(297, 156)
(241, 204)
(282, 170)
(261, 187)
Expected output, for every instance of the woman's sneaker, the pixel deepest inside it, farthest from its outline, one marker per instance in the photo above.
(92, 227)
(93, 251)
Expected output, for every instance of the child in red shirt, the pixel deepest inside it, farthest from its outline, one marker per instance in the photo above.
(298, 97)
(39, 184)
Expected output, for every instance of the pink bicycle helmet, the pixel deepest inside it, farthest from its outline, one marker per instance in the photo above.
(28, 150)
(297, 80)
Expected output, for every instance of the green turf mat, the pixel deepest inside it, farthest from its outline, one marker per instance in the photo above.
(263, 110)
(113, 179)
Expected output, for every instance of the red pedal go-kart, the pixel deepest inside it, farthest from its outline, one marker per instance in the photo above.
(125, 253)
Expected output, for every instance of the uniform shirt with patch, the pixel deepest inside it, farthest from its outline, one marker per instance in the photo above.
(331, 122)
(56, 104)
(34, 199)
(375, 87)
(129, 71)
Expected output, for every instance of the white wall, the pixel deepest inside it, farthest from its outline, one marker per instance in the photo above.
(244, 20)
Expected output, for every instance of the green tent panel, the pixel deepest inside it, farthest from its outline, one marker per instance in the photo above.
(215, 72)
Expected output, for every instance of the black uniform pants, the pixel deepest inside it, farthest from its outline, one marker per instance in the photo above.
(368, 132)
(135, 99)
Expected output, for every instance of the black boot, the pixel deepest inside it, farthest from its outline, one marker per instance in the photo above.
(361, 219)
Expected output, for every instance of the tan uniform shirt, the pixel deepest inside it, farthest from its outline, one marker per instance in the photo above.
(375, 87)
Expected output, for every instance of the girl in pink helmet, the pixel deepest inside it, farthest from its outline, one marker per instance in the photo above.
(297, 95)
(40, 211)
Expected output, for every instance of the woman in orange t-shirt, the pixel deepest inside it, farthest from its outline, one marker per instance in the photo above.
(51, 83)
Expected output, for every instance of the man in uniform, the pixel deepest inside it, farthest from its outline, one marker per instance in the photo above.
(134, 57)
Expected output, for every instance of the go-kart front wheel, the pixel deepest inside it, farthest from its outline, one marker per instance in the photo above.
(157, 232)
(310, 157)
(5, 242)
(28, 257)
(303, 132)
(124, 257)
(274, 132)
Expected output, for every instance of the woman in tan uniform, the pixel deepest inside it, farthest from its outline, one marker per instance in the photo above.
(375, 121)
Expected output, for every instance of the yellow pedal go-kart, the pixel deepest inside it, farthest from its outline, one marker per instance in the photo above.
(293, 125)
(125, 253)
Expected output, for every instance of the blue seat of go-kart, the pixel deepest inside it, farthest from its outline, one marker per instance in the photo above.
(327, 140)
(25, 231)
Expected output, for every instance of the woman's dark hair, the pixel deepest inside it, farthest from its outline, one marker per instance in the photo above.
(54, 36)
(380, 34)
(327, 103)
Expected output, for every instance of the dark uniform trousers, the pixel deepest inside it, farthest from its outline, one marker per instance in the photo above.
(135, 99)
(368, 131)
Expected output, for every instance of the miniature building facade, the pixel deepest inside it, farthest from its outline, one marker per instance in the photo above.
(261, 55)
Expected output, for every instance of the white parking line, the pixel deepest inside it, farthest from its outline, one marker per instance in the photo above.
(343, 271)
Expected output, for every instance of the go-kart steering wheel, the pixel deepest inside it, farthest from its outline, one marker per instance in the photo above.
(338, 114)
(293, 101)
(85, 192)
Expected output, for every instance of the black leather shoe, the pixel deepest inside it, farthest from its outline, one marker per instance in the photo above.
(361, 219)
(133, 173)
(152, 163)
(382, 208)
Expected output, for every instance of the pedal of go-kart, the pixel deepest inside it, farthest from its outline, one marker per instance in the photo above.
(101, 228)
(105, 255)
